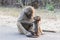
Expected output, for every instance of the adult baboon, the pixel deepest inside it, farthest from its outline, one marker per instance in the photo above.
(25, 20)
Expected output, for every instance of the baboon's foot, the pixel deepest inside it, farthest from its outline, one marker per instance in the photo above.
(32, 35)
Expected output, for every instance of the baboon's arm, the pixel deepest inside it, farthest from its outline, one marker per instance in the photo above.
(26, 22)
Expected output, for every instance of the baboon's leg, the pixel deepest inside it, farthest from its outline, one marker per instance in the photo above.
(21, 29)
(40, 30)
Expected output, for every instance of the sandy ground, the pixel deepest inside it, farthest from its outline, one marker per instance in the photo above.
(8, 29)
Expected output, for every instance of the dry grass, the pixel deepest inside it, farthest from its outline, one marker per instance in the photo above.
(40, 12)
(9, 11)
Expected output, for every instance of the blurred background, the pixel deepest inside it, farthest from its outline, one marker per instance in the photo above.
(50, 8)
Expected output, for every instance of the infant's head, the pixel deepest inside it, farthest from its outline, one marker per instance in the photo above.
(37, 18)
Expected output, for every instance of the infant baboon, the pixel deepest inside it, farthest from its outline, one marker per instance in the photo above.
(36, 25)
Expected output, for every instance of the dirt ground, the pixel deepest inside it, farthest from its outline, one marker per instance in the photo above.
(8, 29)
(49, 21)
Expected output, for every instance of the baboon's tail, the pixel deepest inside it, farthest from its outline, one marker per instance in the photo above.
(49, 31)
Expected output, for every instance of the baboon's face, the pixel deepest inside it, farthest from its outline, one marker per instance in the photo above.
(29, 13)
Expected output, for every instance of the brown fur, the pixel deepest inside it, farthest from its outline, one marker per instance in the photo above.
(38, 30)
(25, 20)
